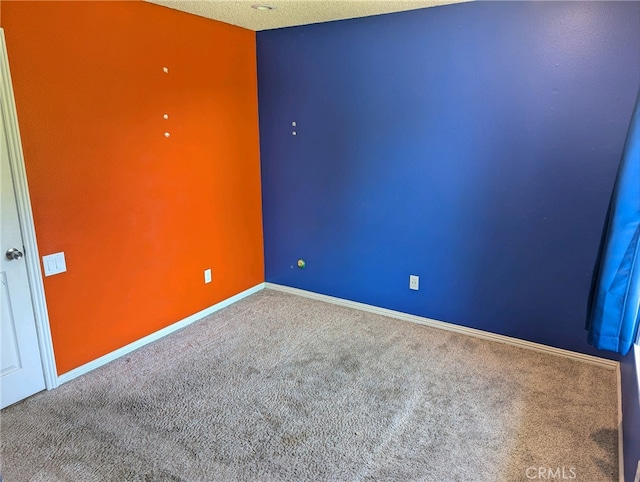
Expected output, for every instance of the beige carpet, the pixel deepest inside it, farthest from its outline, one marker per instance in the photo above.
(278, 387)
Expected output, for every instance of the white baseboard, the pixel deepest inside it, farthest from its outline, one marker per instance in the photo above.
(611, 364)
(98, 362)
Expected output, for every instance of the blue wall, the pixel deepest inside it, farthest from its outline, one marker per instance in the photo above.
(474, 145)
(630, 412)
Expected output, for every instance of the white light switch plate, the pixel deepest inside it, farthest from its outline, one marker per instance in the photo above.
(54, 264)
(207, 275)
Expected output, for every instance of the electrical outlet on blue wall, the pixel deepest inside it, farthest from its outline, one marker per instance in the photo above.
(414, 282)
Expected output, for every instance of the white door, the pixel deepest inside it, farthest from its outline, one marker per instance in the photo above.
(21, 372)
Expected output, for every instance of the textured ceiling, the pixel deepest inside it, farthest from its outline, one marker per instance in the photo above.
(288, 13)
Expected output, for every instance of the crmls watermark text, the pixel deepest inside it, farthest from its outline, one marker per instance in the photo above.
(550, 473)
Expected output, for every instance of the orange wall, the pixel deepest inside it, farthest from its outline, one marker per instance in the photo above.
(139, 216)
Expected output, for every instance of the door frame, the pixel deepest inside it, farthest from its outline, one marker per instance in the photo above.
(27, 227)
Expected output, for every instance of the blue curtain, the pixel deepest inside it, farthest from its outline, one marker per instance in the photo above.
(614, 305)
